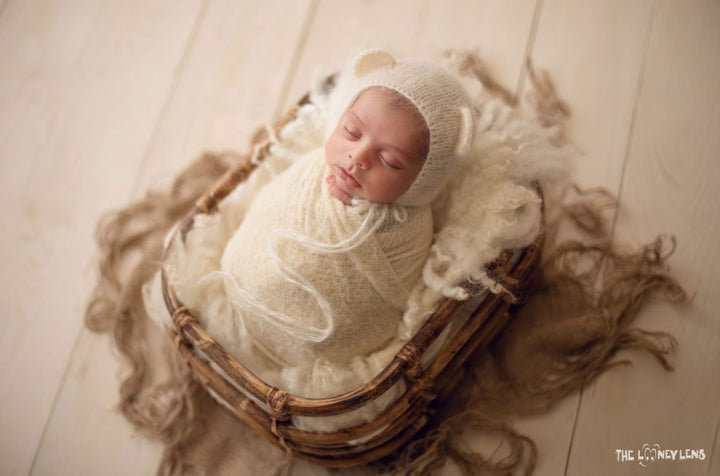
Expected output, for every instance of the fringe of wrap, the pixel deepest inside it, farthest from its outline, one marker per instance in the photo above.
(581, 304)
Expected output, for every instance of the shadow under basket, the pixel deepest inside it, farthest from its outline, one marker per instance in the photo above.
(268, 410)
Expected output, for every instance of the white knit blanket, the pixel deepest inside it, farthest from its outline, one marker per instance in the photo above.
(311, 278)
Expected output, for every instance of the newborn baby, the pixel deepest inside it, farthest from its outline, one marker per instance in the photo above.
(324, 261)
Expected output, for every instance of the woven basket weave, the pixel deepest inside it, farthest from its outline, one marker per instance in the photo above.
(223, 376)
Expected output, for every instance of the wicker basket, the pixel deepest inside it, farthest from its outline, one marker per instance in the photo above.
(223, 376)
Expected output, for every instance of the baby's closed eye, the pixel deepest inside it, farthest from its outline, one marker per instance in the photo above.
(390, 161)
(351, 133)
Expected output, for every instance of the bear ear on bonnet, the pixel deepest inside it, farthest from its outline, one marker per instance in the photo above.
(371, 60)
(466, 132)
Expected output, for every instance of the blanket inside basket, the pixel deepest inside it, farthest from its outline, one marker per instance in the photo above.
(577, 317)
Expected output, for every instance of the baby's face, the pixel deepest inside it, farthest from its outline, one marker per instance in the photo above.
(377, 149)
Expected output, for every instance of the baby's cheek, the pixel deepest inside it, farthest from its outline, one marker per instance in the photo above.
(332, 148)
(328, 151)
(395, 188)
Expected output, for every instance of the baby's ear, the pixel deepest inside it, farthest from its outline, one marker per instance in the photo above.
(370, 60)
(466, 132)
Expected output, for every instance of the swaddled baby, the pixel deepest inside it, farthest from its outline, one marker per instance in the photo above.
(323, 263)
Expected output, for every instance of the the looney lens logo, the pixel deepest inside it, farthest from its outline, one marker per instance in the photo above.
(652, 453)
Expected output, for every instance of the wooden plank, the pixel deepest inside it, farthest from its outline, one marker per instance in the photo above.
(82, 84)
(415, 28)
(86, 435)
(229, 83)
(670, 185)
(593, 52)
(236, 71)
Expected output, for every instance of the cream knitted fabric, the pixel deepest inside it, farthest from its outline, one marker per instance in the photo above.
(437, 95)
(365, 288)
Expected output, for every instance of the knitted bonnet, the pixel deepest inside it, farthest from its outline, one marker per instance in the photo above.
(438, 97)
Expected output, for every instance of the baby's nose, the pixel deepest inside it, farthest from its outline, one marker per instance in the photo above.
(360, 158)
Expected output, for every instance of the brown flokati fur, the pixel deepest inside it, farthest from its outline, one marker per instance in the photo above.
(469, 63)
(578, 316)
(156, 394)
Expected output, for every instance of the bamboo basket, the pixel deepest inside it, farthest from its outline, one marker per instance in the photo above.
(268, 410)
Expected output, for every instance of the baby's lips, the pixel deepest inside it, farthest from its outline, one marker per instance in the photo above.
(348, 178)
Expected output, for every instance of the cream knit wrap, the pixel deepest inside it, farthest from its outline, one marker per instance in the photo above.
(278, 281)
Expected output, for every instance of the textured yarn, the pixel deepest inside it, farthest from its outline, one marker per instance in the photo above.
(365, 288)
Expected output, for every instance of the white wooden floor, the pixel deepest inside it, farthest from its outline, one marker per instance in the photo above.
(100, 99)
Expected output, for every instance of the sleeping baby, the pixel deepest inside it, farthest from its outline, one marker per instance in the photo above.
(314, 278)
(322, 265)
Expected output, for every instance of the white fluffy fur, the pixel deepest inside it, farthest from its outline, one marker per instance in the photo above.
(488, 205)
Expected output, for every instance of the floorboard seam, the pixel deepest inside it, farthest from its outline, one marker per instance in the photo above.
(714, 447)
(633, 119)
(295, 59)
(528, 51)
(182, 64)
(572, 433)
(56, 398)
